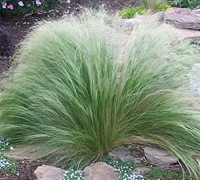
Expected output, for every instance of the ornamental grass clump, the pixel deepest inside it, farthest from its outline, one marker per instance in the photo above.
(79, 88)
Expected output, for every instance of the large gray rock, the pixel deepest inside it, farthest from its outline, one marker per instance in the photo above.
(191, 32)
(195, 40)
(183, 18)
(100, 171)
(192, 35)
(48, 173)
(159, 156)
(122, 153)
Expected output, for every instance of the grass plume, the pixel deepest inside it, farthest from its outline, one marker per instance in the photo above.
(76, 91)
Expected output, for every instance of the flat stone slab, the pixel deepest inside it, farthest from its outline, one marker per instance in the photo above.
(142, 170)
(159, 156)
(192, 35)
(180, 31)
(122, 153)
(183, 18)
(100, 171)
(48, 173)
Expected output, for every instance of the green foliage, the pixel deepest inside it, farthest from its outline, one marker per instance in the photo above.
(7, 165)
(161, 7)
(13, 7)
(79, 88)
(149, 4)
(164, 174)
(130, 12)
(125, 169)
(4, 144)
(186, 3)
(72, 175)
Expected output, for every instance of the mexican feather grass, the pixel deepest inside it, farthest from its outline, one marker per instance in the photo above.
(80, 87)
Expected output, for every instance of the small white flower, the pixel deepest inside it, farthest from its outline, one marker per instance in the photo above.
(4, 4)
(38, 2)
(20, 3)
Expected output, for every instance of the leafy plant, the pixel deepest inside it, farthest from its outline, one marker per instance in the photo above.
(13, 7)
(124, 169)
(72, 175)
(161, 6)
(130, 12)
(164, 174)
(78, 88)
(7, 164)
(186, 3)
(4, 144)
(149, 4)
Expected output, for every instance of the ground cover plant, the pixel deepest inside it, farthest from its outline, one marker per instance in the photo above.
(4, 144)
(186, 3)
(20, 7)
(78, 88)
(7, 165)
(163, 174)
(124, 169)
(130, 12)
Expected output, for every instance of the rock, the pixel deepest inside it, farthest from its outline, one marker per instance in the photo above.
(190, 34)
(159, 156)
(183, 18)
(122, 153)
(48, 173)
(195, 40)
(142, 170)
(130, 22)
(133, 21)
(100, 171)
(136, 20)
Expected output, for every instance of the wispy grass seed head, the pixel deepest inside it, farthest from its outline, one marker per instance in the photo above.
(76, 91)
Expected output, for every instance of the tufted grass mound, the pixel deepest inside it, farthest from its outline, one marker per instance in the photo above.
(78, 89)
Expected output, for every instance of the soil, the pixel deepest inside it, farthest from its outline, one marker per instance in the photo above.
(17, 28)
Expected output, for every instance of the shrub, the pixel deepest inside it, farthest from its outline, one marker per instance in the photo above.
(161, 7)
(69, 96)
(149, 4)
(186, 3)
(164, 174)
(13, 7)
(130, 12)
(7, 165)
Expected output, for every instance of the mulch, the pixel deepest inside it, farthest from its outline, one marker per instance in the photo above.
(17, 28)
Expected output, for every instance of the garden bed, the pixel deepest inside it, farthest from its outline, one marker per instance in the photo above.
(18, 27)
